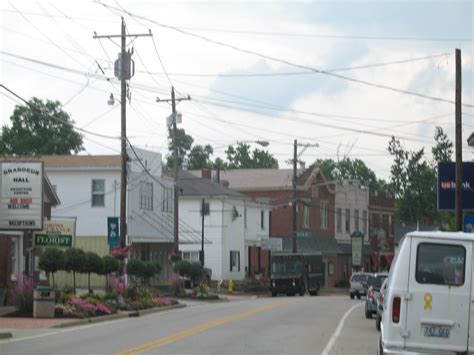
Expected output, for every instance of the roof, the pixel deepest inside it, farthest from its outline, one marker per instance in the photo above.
(72, 161)
(401, 230)
(195, 186)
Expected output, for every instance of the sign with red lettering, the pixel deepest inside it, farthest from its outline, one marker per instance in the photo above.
(21, 195)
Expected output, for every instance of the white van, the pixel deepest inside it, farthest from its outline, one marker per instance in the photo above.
(429, 303)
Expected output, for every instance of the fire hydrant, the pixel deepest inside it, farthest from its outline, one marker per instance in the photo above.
(230, 286)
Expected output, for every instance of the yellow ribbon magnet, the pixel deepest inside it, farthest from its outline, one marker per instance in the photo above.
(428, 299)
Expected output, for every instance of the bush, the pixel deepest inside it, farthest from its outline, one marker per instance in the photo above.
(52, 260)
(110, 265)
(74, 261)
(195, 272)
(92, 264)
(182, 267)
(150, 270)
(21, 293)
(135, 268)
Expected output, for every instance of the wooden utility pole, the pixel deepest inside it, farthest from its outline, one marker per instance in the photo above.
(295, 162)
(125, 74)
(175, 166)
(458, 209)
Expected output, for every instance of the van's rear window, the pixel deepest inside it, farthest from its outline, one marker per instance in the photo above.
(440, 264)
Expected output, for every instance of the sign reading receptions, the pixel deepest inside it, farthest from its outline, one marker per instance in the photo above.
(56, 233)
(21, 195)
(447, 186)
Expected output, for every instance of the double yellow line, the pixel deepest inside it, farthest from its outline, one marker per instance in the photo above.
(200, 328)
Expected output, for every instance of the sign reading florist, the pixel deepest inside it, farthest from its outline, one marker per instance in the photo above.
(21, 195)
(57, 233)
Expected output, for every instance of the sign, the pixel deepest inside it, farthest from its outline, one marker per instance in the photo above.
(56, 233)
(21, 195)
(272, 244)
(469, 224)
(113, 237)
(304, 234)
(447, 186)
(357, 239)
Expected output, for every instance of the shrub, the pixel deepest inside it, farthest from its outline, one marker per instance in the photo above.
(22, 293)
(74, 261)
(52, 260)
(195, 272)
(92, 264)
(110, 265)
(135, 268)
(182, 267)
(150, 270)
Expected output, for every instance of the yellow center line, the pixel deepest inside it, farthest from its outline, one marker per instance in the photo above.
(200, 328)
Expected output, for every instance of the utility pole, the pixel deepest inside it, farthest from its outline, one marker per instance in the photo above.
(176, 165)
(458, 208)
(203, 213)
(125, 65)
(295, 161)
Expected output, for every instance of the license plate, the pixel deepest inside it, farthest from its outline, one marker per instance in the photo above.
(433, 331)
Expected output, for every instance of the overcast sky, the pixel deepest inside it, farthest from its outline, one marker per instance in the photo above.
(249, 67)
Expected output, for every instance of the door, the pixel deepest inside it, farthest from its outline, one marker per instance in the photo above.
(438, 299)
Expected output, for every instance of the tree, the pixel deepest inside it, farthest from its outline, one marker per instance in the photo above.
(74, 261)
(92, 264)
(443, 150)
(183, 142)
(40, 128)
(150, 270)
(135, 268)
(52, 260)
(110, 265)
(200, 157)
(240, 157)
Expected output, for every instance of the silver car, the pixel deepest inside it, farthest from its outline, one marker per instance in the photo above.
(358, 284)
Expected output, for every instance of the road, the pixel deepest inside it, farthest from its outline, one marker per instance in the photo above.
(281, 325)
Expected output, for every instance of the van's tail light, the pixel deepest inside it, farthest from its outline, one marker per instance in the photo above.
(396, 309)
(371, 292)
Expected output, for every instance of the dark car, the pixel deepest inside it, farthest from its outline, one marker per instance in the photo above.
(374, 283)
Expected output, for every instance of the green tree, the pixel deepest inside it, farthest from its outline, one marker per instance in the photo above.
(40, 128)
(183, 142)
(52, 260)
(135, 268)
(74, 261)
(110, 265)
(92, 265)
(443, 150)
(150, 270)
(240, 157)
(200, 157)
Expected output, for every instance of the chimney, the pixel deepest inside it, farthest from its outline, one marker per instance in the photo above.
(206, 174)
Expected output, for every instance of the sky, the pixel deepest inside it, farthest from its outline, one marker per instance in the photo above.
(342, 77)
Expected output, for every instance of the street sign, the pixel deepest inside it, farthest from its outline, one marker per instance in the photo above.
(469, 224)
(21, 195)
(272, 244)
(113, 238)
(357, 239)
(304, 234)
(447, 186)
(56, 233)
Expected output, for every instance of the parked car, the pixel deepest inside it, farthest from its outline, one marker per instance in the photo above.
(428, 304)
(374, 283)
(380, 298)
(358, 283)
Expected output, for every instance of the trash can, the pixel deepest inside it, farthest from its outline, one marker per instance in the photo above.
(43, 302)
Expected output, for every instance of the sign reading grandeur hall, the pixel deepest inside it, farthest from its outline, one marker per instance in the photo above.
(21, 195)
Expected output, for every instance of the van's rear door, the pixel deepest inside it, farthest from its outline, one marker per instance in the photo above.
(438, 299)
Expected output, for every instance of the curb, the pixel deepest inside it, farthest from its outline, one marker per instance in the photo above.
(119, 316)
(5, 335)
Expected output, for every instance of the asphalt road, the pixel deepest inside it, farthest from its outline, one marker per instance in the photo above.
(282, 325)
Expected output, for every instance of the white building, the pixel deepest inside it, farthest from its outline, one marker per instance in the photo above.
(234, 225)
(351, 210)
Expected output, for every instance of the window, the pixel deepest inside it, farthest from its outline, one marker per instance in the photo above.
(146, 196)
(323, 211)
(262, 219)
(440, 264)
(331, 269)
(191, 256)
(356, 219)
(234, 260)
(339, 220)
(314, 191)
(98, 193)
(306, 216)
(364, 217)
(167, 203)
(348, 220)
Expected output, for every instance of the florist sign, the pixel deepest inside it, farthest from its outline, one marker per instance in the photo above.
(56, 233)
(21, 195)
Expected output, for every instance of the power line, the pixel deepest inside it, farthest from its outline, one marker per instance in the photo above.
(284, 61)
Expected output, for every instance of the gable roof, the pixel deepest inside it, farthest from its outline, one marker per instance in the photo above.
(72, 161)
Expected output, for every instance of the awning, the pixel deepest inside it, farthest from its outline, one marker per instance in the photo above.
(375, 260)
(388, 259)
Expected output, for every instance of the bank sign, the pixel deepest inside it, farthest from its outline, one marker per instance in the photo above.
(447, 186)
(56, 233)
(21, 195)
